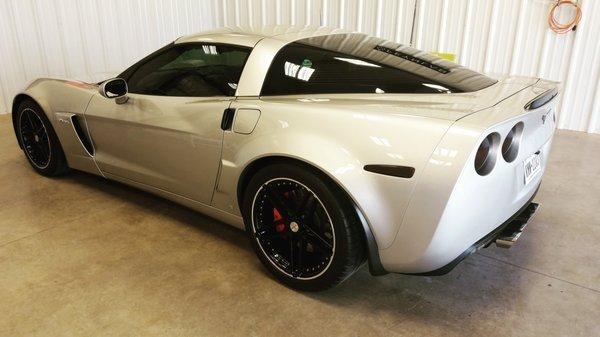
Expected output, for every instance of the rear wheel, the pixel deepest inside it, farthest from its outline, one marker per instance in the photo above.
(39, 141)
(302, 227)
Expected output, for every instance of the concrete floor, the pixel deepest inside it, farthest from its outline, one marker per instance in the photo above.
(81, 256)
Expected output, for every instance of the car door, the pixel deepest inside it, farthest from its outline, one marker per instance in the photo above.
(168, 134)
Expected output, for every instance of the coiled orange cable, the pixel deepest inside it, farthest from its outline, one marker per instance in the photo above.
(562, 28)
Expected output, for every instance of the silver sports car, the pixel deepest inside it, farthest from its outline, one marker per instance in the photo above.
(329, 148)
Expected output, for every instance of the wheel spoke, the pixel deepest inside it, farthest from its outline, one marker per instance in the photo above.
(43, 149)
(31, 124)
(40, 152)
(277, 201)
(300, 252)
(25, 131)
(307, 205)
(26, 127)
(264, 235)
(292, 255)
(297, 250)
(322, 242)
(44, 142)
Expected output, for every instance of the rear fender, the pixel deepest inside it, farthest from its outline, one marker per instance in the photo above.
(340, 146)
(228, 182)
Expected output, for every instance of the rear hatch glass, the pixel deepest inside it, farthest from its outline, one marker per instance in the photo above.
(358, 63)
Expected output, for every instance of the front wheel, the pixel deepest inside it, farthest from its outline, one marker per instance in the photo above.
(302, 227)
(39, 141)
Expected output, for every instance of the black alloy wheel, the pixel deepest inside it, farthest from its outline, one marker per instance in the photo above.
(39, 141)
(292, 228)
(302, 226)
(35, 139)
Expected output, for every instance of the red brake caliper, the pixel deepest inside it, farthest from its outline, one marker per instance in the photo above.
(279, 227)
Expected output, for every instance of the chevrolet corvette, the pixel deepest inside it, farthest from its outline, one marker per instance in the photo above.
(331, 149)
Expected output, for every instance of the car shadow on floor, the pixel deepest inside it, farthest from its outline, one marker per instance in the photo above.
(152, 203)
(478, 286)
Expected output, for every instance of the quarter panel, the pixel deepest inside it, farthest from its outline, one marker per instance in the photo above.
(340, 141)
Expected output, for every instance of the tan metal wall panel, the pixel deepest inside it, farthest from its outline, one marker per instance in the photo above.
(69, 38)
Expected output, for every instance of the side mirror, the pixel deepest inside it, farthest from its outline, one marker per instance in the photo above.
(114, 88)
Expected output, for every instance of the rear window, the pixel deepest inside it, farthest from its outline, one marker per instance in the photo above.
(357, 63)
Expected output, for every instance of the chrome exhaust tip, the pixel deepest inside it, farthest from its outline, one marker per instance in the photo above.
(507, 240)
(513, 231)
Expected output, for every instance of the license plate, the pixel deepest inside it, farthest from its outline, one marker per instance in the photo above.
(532, 166)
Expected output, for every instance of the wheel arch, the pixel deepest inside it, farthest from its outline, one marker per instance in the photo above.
(20, 98)
(375, 265)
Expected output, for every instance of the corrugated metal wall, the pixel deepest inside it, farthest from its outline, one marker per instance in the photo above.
(72, 38)
(68, 37)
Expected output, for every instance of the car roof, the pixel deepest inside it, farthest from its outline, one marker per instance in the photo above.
(249, 35)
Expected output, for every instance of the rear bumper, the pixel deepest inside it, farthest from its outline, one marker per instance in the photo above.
(511, 228)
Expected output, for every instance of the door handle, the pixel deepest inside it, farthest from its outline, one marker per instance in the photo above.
(227, 120)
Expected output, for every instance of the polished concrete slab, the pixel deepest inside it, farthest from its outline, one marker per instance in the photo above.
(82, 256)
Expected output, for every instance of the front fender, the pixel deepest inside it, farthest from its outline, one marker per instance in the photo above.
(61, 99)
(36, 91)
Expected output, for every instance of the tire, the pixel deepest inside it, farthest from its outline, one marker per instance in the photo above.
(308, 243)
(39, 141)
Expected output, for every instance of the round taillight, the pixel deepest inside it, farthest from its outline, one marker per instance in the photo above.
(510, 146)
(485, 158)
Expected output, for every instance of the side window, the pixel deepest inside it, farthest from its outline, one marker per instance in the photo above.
(303, 69)
(190, 70)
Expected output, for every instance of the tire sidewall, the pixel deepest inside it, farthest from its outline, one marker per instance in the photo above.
(332, 203)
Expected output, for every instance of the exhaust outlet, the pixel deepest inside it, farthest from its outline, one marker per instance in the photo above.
(511, 233)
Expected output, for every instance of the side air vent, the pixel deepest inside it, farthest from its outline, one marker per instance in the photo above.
(83, 138)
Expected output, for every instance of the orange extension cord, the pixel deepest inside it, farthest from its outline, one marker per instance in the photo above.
(562, 28)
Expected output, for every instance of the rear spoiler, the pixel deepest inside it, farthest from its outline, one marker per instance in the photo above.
(542, 99)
